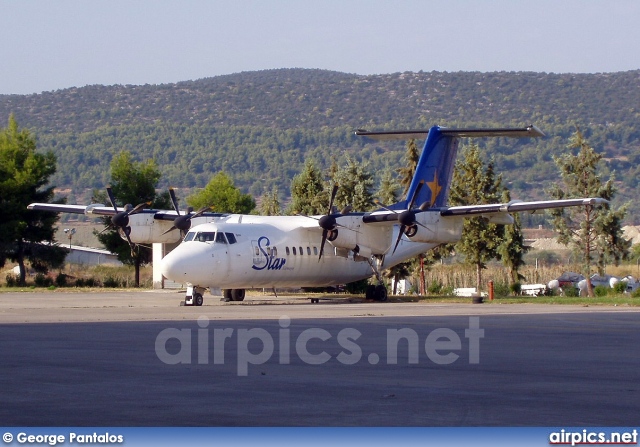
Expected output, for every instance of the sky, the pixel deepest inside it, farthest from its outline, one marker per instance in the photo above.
(48, 45)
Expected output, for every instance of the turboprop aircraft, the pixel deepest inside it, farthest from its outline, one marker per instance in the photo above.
(234, 252)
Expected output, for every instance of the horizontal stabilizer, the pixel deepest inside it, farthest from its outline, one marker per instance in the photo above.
(512, 132)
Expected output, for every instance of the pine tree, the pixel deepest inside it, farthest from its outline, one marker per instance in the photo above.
(388, 191)
(270, 204)
(475, 184)
(411, 157)
(306, 191)
(355, 186)
(26, 235)
(512, 249)
(594, 232)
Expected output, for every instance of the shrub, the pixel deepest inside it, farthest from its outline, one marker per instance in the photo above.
(110, 281)
(501, 289)
(42, 281)
(61, 280)
(570, 291)
(447, 291)
(12, 280)
(435, 288)
(620, 287)
(601, 290)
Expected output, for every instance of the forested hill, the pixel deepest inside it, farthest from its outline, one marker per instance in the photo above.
(312, 99)
(261, 126)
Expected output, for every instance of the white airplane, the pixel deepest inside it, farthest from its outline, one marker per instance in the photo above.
(234, 252)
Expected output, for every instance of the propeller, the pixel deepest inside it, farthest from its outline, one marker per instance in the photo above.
(120, 219)
(328, 222)
(407, 218)
(183, 222)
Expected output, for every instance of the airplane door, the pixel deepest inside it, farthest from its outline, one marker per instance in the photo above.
(221, 255)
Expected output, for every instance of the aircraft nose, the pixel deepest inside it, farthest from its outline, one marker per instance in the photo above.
(185, 263)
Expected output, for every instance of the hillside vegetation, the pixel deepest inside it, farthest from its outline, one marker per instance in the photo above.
(261, 126)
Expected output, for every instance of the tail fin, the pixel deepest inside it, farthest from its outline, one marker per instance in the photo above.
(436, 163)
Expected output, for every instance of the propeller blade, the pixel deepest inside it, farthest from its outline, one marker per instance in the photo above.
(200, 212)
(325, 233)
(415, 195)
(173, 227)
(112, 198)
(400, 234)
(333, 196)
(138, 208)
(174, 200)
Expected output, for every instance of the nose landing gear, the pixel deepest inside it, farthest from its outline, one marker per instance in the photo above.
(194, 296)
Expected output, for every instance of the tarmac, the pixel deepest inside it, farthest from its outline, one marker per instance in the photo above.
(138, 358)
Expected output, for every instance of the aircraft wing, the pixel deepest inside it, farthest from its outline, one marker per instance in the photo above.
(517, 206)
(98, 209)
(476, 210)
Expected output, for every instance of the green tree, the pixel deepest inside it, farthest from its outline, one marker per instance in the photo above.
(132, 183)
(411, 157)
(306, 192)
(388, 191)
(26, 235)
(222, 196)
(270, 203)
(355, 186)
(594, 232)
(475, 184)
(512, 249)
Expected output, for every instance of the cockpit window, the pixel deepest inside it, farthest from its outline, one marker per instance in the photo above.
(231, 238)
(205, 236)
(189, 237)
(220, 238)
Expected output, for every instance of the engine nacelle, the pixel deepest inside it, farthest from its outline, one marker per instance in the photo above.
(147, 230)
(353, 234)
(439, 229)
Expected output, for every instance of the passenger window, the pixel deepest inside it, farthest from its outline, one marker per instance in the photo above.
(287, 250)
(301, 252)
(274, 251)
(231, 238)
(257, 251)
(294, 251)
(315, 251)
(220, 238)
(309, 251)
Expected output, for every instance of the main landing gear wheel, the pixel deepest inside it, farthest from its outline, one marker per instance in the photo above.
(237, 294)
(197, 299)
(376, 293)
(380, 293)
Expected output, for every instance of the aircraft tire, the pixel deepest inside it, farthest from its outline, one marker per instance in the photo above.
(227, 295)
(237, 294)
(380, 293)
(197, 299)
